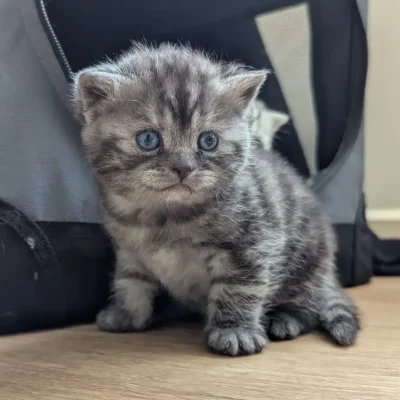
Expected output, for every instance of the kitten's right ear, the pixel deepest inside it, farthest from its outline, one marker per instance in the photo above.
(91, 88)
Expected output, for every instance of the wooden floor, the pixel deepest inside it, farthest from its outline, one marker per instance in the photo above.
(172, 363)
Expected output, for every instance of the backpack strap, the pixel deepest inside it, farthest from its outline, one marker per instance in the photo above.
(31, 233)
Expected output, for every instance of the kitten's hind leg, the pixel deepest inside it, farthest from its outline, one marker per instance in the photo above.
(337, 313)
(286, 323)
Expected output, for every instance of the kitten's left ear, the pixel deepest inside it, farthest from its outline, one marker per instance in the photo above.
(245, 86)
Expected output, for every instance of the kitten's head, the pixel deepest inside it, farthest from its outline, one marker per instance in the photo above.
(166, 124)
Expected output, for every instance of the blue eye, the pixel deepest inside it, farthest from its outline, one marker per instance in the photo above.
(208, 141)
(148, 140)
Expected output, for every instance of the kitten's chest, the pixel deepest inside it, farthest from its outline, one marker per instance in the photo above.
(182, 269)
(179, 263)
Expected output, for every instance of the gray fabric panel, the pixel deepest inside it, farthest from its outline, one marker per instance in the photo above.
(40, 42)
(42, 167)
(363, 7)
(341, 193)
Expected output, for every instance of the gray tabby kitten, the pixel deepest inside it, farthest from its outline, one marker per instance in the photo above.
(194, 205)
(265, 123)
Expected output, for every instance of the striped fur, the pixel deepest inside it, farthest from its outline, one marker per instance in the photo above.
(240, 239)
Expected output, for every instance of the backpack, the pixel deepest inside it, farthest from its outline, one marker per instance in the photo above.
(55, 259)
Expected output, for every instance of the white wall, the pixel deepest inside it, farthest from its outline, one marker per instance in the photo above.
(383, 112)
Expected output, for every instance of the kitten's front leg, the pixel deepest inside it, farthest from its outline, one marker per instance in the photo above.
(234, 312)
(134, 291)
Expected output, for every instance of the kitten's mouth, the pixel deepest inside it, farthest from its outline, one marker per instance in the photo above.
(178, 186)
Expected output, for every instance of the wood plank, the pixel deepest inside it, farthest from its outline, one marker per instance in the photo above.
(172, 363)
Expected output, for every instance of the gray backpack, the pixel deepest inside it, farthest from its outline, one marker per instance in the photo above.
(55, 259)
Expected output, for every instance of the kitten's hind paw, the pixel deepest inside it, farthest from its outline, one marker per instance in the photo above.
(343, 330)
(340, 319)
(115, 319)
(283, 326)
(236, 341)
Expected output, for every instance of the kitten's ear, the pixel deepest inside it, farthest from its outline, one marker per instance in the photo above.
(244, 87)
(91, 88)
(278, 119)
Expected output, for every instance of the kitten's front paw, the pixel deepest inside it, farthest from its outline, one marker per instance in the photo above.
(116, 319)
(236, 341)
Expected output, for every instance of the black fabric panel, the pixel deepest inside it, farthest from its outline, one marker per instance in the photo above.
(354, 268)
(29, 296)
(357, 79)
(33, 296)
(27, 262)
(386, 256)
(87, 260)
(338, 40)
(331, 29)
(345, 256)
(90, 29)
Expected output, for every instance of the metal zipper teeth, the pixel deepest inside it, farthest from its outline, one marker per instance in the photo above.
(54, 37)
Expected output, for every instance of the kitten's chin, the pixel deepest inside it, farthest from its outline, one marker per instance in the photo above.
(179, 193)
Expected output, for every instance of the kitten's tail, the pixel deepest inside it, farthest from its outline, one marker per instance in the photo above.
(339, 317)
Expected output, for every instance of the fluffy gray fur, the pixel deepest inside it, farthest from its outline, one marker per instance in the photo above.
(265, 123)
(239, 238)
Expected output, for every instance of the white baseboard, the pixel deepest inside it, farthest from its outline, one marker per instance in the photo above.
(383, 214)
(385, 222)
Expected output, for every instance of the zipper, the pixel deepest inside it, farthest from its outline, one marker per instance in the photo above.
(54, 38)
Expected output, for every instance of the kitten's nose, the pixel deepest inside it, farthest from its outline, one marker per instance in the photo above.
(182, 171)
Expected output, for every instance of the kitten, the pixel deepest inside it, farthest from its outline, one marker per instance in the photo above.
(195, 207)
(265, 123)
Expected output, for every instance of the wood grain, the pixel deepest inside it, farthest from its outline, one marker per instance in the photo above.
(172, 363)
